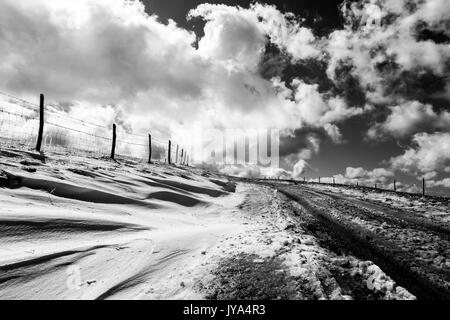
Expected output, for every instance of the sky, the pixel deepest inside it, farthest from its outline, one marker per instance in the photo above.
(358, 89)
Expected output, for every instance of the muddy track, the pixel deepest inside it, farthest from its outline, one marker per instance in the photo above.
(398, 258)
(392, 215)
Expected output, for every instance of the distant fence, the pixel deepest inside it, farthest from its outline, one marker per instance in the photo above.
(28, 125)
(332, 182)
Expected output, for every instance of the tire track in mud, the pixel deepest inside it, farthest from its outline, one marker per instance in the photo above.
(391, 215)
(423, 280)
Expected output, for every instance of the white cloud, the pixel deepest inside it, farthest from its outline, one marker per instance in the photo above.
(377, 175)
(430, 175)
(239, 35)
(409, 118)
(244, 171)
(441, 183)
(96, 53)
(431, 152)
(334, 133)
(232, 35)
(369, 40)
(299, 168)
(353, 173)
(286, 31)
(113, 62)
(317, 110)
(254, 171)
(380, 174)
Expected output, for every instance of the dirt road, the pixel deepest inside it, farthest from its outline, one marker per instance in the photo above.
(412, 250)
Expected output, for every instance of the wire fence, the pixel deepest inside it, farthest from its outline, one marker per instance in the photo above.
(20, 122)
(392, 186)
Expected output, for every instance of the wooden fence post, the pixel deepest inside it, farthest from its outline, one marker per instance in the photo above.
(113, 148)
(182, 154)
(41, 124)
(187, 161)
(334, 181)
(169, 160)
(395, 186)
(423, 187)
(149, 148)
(176, 155)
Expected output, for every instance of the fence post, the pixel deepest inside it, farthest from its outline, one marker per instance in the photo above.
(187, 161)
(375, 186)
(182, 155)
(334, 181)
(169, 160)
(41, 124)
(149, 148)
(176, 155)
(423, 187)
(395, 186)
(304, 179)
(113, 148)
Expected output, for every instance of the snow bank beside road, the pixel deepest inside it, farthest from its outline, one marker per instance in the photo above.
(79, 228)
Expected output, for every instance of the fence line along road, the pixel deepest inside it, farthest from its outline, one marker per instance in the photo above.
(30, 125)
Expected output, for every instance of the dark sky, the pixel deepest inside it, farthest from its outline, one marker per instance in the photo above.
(323, 14)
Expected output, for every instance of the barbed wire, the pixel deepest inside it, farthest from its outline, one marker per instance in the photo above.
(17, 127)
(75, 130)
(58, 113)
(19, 99)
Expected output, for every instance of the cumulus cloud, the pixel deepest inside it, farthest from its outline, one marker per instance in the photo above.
(430, 152)
(109, 60)
(334, 133)
(112, 53)
(243, 171)
(232, 35)
(410, 118)
(285, 30)
(299, 168)
(253, 171)
(316, 110)
(92, 49)
(381, 46)
(441, 183)
(236, 33)
(368, 176)
(305, 146)
(352, 173)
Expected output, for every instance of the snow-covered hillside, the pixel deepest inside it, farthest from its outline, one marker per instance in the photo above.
(83, 228)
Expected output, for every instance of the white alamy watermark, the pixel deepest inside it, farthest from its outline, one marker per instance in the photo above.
(259, 147)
